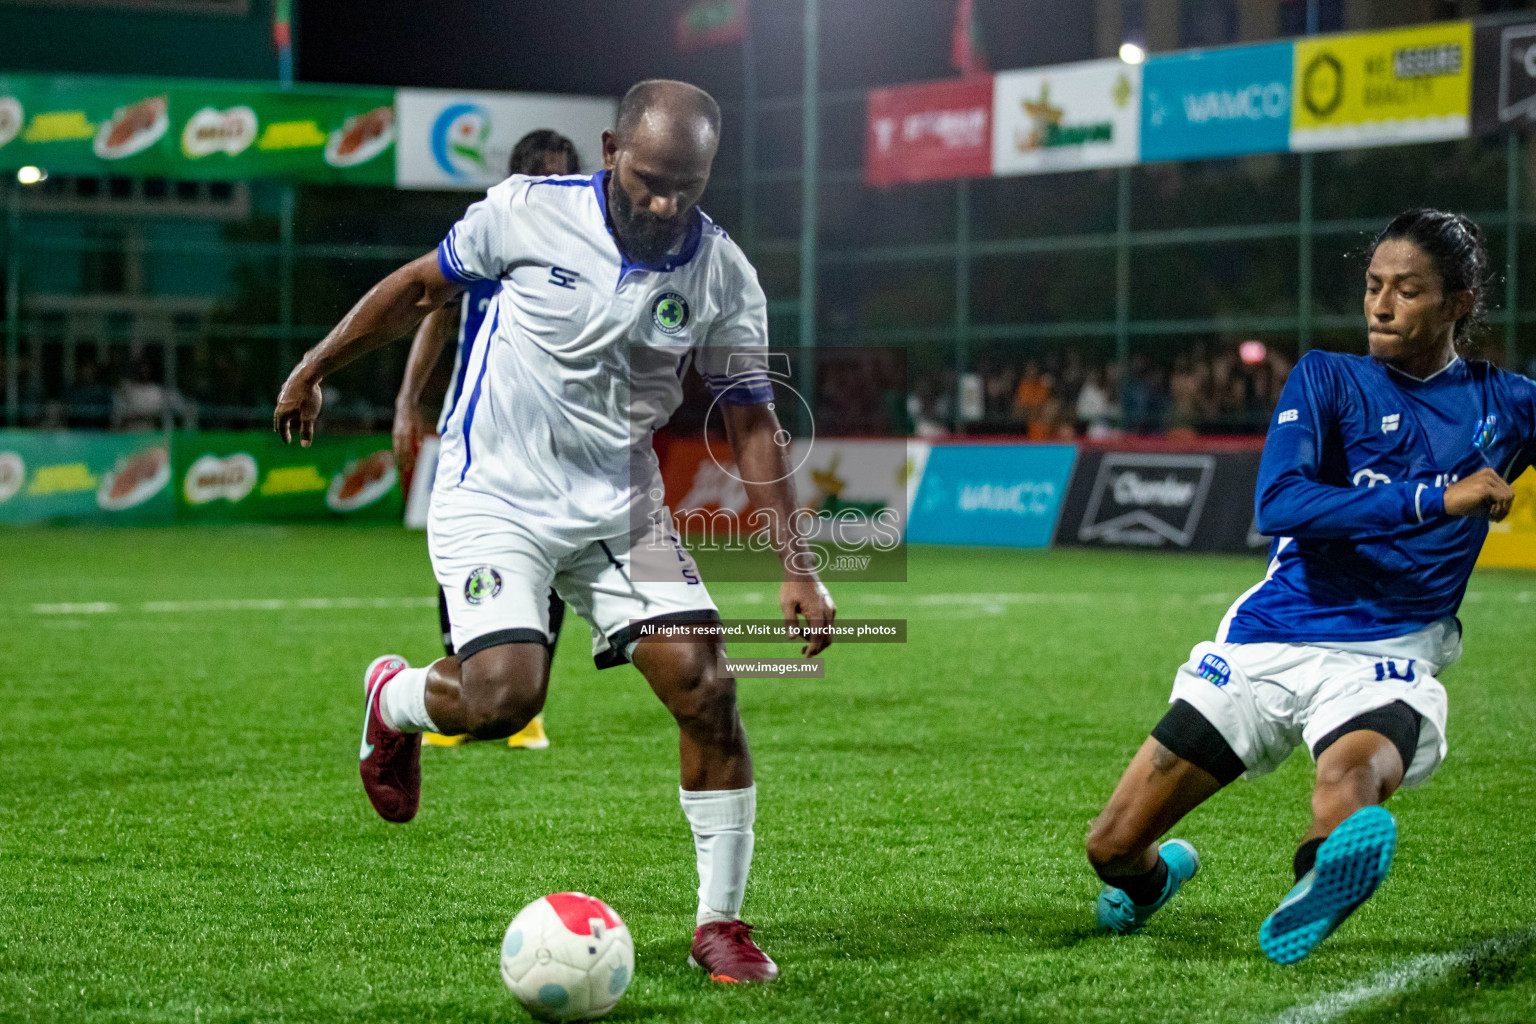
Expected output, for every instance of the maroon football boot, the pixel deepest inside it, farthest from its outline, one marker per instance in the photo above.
(726, 950)
(389, 760)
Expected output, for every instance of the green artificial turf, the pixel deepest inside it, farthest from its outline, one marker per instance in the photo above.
(183, 836)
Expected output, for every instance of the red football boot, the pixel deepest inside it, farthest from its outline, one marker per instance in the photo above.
(726, 950)
(389, 761)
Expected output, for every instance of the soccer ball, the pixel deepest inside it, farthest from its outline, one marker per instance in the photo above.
(567, 956)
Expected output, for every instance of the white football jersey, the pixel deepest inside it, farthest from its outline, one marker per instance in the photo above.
(582, 354)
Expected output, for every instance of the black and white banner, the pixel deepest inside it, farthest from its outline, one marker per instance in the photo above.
(1190, 501)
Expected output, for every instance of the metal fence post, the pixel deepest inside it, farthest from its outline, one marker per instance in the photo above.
(1123, 281)
(748, 137)
(810, 137)
(1512, 250)
(1304, 259)
(285, 280)
(13, 306)
(962, 287)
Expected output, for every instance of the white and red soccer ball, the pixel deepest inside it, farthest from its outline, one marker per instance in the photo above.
(567, 956)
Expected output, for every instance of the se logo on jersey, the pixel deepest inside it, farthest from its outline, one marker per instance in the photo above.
(669, 312)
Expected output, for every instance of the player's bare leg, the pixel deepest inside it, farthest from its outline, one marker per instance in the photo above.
(718, 798)
(1156, 791)
(532, 735)
(1348, 848)
(490, 695)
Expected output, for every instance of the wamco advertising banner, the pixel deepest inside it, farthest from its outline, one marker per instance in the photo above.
(181, 128)
(1512, 543)
(991, 495)
(1216, 103)
(1380, 88)
(929, 131)
(1192, 501)
(1066, 118)
(462, 140)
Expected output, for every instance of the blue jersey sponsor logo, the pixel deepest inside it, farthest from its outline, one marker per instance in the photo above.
(1217, 103)
(1215, 670)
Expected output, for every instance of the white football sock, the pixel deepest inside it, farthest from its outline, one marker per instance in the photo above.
(721, 820)
(403, 704)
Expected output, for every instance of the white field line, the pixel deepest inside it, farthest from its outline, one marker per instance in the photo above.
(278, 604)
(1406, 975)
(845, 596)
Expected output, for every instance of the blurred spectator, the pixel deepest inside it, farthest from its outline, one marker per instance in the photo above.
(88, 402)
(1033, 391)
(142, 403)
(1095, 414)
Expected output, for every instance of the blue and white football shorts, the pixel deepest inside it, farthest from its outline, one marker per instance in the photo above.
(497, 575)
(1266, 698)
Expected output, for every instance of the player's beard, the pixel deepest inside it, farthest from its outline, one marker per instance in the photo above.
(645, 238)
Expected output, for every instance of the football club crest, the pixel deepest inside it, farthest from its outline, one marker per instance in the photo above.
(669, 312)
(1215, 670)
(483, 584)
(1486, 432)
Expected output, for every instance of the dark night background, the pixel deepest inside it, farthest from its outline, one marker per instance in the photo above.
(604, 46)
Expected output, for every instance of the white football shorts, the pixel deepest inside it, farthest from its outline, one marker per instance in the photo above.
(1266, 698)
(497, 574)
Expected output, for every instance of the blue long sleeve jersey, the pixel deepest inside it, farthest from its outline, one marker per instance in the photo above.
(1352, 488)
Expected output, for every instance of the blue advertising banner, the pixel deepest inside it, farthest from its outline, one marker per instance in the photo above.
(993, 495)
(1217, 103)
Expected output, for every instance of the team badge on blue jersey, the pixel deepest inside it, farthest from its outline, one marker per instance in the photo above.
(669, 312)
(1215, 669)
(1486, 432)
(483, 584)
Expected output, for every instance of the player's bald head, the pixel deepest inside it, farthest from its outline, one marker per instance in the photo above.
(672, 113)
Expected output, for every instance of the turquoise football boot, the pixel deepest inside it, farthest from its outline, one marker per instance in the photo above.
(1118, 914)
(1351, 863)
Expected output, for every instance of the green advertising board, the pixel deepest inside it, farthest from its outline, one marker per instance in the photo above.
(189, 129)
(254, 477)
(144, 479)
(80, 477)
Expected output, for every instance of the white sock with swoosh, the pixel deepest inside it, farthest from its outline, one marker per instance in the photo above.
(403, 704)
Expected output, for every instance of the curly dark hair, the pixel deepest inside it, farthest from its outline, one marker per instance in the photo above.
(529, 153)
(1460, 253)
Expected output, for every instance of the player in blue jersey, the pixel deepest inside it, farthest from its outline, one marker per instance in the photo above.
(1379, 477)
(543, 152)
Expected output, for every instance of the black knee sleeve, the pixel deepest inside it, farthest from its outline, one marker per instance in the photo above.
(1397, 721)
(1190, 735)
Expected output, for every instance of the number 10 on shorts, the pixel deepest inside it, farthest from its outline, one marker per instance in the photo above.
(1388, 670)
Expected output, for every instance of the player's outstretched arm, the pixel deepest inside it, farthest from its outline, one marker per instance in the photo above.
(426, 347)
(764, 465)
(392, 307)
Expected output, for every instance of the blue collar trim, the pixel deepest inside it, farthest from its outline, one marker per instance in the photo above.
(687, 252)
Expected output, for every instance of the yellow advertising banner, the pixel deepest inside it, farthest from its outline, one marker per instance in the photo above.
(1512, 543)
(1382, 88)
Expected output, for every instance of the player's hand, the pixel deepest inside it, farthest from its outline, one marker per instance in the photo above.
(298, 405)
(808, 599)
(408, 431)
(1484, 493)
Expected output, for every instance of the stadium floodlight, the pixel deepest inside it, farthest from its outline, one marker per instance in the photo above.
(1132, 53)
(30, 175)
